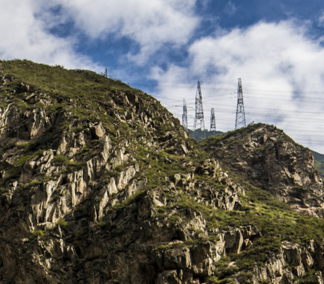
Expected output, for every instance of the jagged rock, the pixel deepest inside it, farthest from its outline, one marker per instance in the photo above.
(233, 241)
(250, 232)
(178, 258)
(168, 277)
(98, 131)
(203, 257)
(27, 172)
(125, 176)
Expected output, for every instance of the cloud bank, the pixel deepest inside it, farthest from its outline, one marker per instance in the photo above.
(24, 35)
(26, 27)
(150, 24)
(283, 79)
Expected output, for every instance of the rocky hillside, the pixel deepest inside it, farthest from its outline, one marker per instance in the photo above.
(268, 158)
(101, 184)
(200, 135)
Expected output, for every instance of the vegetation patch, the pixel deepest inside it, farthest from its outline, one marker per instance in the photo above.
(22, 160)
(62, 223)
(61, 160)
(38, 233)
(101, 224)
(135, 197)
(177, 245)
(215, 280)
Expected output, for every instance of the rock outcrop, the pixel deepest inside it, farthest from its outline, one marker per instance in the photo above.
(268, 158)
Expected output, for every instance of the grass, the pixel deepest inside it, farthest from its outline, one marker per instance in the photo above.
(215, 280)
(22, 160)
(101, 224)
(176, 245)
(36, 182)
(68, 83)
(62, 223)
(61, 160)
(138, 195)
(38, 233)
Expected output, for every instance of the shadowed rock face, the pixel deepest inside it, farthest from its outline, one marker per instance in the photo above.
(101, 184)
(268, 158)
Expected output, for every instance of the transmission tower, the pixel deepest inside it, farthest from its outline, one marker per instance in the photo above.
(212, 120)
(106, 73)
(199, 116)
(240, 112)
(184, 115)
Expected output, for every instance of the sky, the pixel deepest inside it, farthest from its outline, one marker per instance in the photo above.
(164, 47)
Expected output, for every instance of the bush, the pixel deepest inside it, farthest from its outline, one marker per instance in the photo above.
(40, 233)
(131, 199)
(60, 160)
(101, 224)
(62, 223)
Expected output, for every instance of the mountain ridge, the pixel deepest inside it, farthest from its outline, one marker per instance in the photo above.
(101, 184)
(199, 135)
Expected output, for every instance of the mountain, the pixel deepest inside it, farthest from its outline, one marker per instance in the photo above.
(101, 184)
(198, 134)
(269, 159)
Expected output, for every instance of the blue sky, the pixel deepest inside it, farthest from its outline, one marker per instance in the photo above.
(165, 46)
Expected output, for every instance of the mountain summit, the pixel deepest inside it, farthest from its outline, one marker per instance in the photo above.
(101, 184)
(268, 158)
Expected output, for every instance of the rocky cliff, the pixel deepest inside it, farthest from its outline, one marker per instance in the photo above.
(268, 158)
(101, 184)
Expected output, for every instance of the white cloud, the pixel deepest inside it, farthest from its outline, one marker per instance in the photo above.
(230, 8)
(23, 34)
(25, 27)
(321, 20)
(282, 74)
(149, 23)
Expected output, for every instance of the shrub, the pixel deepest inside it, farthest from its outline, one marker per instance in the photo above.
(101, 224)
(59, 160)
(131, 199)
(62, 223)
(40, 233)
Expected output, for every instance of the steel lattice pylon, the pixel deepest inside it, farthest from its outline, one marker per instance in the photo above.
(240, 112)
(185, 115)
(199, 115)
(212, 120)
